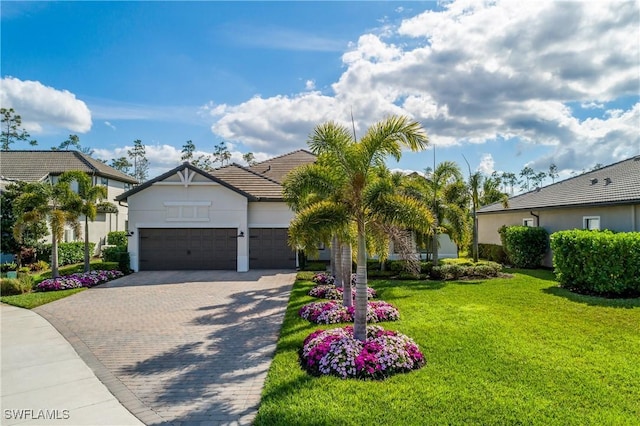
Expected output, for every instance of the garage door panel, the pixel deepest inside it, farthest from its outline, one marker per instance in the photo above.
(269, 249)
(188, 248)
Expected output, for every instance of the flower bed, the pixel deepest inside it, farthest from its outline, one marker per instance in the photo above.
(335, 293)
(88, 279)
(335, 352)
(332, 312)
(322, 278)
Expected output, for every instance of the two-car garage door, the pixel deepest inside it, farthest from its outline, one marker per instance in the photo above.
(212, 248)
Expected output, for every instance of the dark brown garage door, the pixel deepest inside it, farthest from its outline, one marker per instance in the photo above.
(269, 249)
(188, 249)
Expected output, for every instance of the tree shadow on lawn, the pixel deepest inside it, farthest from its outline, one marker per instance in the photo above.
(593, 300)
(216, 380)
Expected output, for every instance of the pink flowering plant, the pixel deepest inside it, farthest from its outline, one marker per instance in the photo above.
(335, 293)
(332, 312)
(336, 352)
(322, 278)
(88, 279)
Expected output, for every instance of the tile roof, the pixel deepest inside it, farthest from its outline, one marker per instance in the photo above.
(278, 167)
(260, 182)
(617, 183)
(259, 186)
(33, 166)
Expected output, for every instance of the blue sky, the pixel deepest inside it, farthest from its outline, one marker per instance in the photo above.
(506, 84)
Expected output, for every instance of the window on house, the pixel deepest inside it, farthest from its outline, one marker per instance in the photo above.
(591, 222)
(104, 181)
(321, 246)
(69, 236)
(528, 222)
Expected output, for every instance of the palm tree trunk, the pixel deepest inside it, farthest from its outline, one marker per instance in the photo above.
(336, 255)
(345, 272)
(360, 317)
(435, 249)
(86, 244)
(54, 257)
(475, 236)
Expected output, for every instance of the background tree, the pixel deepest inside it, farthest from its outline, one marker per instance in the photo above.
(553, 172)
(73, 141)
(187, 151)
(351, 165)
(122, 164)
(221, 154)
(140, 163)
(443, 190)
(509, 180)
(89, 195)
(538, 178)
(32, 232)
(55, 203)
(249, 158)
(12, 130)
(526, 173)
(203, 162)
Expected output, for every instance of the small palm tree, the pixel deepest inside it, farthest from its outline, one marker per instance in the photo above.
(56, 204)
(484, 191)
(347, 169)
(89, 195)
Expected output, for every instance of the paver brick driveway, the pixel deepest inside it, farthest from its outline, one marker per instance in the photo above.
(179, 347)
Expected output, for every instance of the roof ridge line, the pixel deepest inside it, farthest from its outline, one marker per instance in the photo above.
(255, 173)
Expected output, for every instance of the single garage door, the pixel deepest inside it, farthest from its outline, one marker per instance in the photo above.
(269, 249)
(188, 249)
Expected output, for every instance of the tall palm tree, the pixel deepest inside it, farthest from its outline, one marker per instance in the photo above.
(56, 203)
(444, 190)
(483, 191)
(89, 195)
(349, 166)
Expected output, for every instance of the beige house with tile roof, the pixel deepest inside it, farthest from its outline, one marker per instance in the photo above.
(231, 218)
(606, 198)
(47, 166)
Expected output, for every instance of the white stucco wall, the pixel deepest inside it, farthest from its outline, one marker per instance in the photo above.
(269, 215)
(200, 204)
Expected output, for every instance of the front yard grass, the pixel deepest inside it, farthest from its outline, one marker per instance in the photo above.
(35, 299)
(503, 351)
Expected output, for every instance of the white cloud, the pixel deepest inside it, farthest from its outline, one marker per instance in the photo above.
(42, 106)
(476, 71)
(310, 85)
(487, 165)
(108, 124)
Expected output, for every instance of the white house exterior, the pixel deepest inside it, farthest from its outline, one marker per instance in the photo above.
(233, 218)
(47, 166)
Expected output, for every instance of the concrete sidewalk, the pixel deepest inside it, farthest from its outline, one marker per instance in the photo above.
(45, 382)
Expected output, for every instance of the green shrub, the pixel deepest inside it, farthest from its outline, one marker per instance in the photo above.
(68, 253)
(13, 286)
(485, 269)
(305, 275)
(315, 266)
(425, 267)
(380, 274)
(396, 266)
(598, 262)
(465, 269)
(447, 272)
(117, 238)
(373, 265)
(525, 245)
(11, 266)
(38, 266)
(492, 252)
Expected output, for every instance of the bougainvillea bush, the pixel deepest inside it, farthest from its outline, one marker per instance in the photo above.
(88, 279)
(332, 312)
(336, 352)
(335, 293)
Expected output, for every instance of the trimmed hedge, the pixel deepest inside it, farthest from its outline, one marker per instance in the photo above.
(117, 238)
(598, 262)
(525, 245)
(454, 271)
(492, 252)
(68, 253)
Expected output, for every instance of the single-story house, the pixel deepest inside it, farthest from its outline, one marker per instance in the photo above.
(47, 166)
(606, 198)
(231, 218)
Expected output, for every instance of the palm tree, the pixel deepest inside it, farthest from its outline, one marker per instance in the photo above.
(56, 203)
(443, 189)
(484, 191)
(89, 195)
(349, 166)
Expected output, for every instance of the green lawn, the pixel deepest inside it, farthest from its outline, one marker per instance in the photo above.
(504, 351)
(33, 300)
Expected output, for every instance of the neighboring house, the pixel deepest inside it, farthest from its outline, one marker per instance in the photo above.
(47, 166)
(233, 218)
(606, 198)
